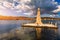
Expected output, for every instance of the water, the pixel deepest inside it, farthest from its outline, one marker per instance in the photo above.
(8, 25)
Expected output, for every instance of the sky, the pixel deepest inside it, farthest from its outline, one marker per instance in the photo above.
(28, 7)
(58, 1)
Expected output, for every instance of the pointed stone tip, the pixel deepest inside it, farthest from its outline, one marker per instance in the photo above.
(38, 8)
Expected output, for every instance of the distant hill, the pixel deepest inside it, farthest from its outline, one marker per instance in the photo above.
(26, 18)
(15, 18)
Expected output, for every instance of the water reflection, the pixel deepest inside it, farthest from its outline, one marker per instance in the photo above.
(48, 34)
(7, 25)
(25, 33)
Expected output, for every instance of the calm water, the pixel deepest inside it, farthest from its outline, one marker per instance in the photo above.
(7, 25)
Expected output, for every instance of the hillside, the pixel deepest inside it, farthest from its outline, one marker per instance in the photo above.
(25, 18)
(15, 18)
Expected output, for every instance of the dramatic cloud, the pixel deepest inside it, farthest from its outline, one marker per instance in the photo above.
(27, 7)
(7, 4)
(57, 10)
(1, 7)
(25, 1)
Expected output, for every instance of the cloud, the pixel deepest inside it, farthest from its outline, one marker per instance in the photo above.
(29, 13)
(6, 9)
(53, 0)
(57, 10)
(56, 3)
(1, 7)
(7, 4)
(25, 1)
(27, 7)
(58, 6)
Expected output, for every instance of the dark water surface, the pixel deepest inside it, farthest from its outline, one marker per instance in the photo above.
(7, 25)
(29, 34)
